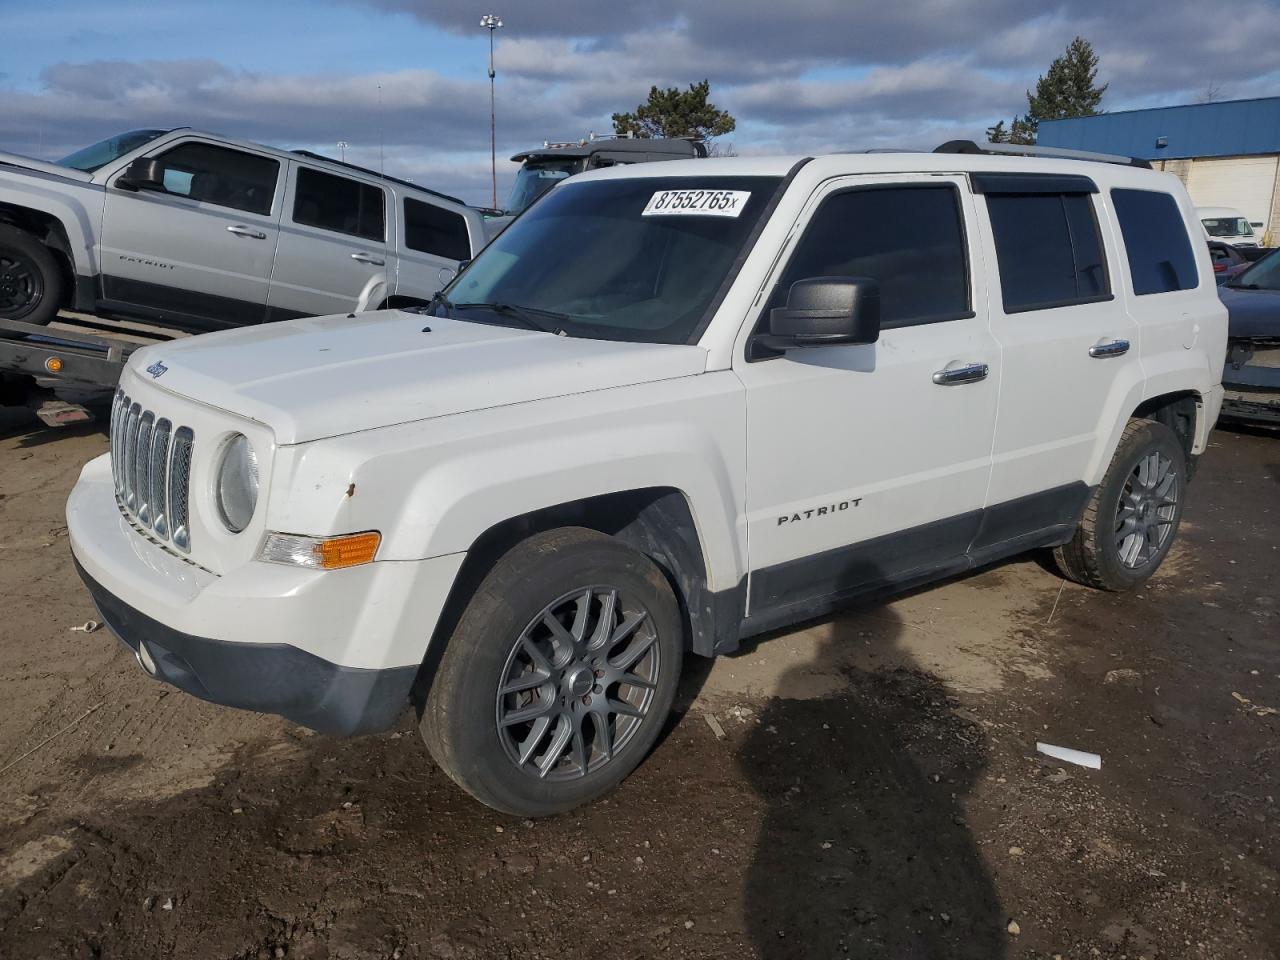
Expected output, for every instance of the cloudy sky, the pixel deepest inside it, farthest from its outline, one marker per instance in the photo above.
(803, 76)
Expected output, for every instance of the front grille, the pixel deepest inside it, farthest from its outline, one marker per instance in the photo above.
(151, 466)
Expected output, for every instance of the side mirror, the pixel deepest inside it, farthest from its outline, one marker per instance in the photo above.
(146, 173)
(824, 311)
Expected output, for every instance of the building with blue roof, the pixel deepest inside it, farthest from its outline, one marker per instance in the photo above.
(1227, 153)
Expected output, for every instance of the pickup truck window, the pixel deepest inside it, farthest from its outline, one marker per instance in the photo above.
(639, 258)
(1049, 250)
(339, 204)
(1155, 241)
(909, 239)
(227, 178)
(435, 230)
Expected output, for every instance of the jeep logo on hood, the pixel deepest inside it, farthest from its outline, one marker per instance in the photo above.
(156, 369)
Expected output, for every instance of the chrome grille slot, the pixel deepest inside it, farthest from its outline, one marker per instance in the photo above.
(131, 456)
(118, 407)
(179, 485)
(157, 499)
(151, 468)
(142, 457)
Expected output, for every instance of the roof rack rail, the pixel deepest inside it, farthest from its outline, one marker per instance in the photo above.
(1019, 150)
(312, 155)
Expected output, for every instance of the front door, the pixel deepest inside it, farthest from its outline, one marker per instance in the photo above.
(333, 255)
(199, 251)
(869, 464)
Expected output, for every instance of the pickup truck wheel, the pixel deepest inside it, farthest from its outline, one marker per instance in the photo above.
(1132, 519)
(31, 285)
(559, 676)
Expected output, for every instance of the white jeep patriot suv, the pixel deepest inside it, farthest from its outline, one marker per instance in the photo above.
(671, 406)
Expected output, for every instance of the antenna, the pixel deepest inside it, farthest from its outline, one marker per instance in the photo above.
(381, 167)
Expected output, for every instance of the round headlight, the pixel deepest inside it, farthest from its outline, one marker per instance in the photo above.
(237, 483)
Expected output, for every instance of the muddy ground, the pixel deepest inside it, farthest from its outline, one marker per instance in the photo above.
(876, 792)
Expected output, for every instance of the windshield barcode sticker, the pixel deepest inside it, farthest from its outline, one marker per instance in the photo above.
(697, 203)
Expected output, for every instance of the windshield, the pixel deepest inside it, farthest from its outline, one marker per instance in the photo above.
(637, 259)
(105, 151)
(536, 177)
(1227, 227)
(1263, 275)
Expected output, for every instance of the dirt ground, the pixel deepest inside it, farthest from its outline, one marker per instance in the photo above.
(876, 791)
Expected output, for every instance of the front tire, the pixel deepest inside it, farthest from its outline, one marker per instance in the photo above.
(31, 285)
(1132, 518)
(559, 676)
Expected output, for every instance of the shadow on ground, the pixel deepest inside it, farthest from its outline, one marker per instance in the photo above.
(863, 849)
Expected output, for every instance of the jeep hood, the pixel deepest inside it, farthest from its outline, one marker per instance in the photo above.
(42, 166)
(326, 376)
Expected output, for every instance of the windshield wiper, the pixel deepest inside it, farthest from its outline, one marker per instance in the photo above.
(529, 316)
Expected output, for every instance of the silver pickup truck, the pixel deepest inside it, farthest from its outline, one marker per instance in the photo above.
(197, 231)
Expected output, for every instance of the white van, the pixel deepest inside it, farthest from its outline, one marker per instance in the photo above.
(1228, 225)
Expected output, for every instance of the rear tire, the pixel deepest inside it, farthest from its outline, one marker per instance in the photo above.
(559, 676)
(32, 287)
(1132, 518)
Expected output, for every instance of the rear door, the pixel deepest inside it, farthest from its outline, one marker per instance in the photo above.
(200, 251)
(334, 254)
(1070, 348)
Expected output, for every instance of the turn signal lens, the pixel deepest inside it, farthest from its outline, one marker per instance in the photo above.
(321, 553)
(53, 364)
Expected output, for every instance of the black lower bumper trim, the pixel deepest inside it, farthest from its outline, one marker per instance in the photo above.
(266, 677)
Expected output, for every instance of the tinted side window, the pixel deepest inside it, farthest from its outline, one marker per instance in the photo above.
(228, 178)
(338, 204)
(909, 239)
(1155, 240)
(436, 231)
(1049, 250)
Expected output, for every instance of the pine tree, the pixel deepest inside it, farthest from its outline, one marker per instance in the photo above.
(676, 113)
(1069, 89)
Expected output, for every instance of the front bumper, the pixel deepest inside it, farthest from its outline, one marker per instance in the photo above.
(1251, 381)
(267, 677)
(333, 650)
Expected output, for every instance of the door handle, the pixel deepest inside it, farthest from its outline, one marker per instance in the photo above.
(1112, 348)
(367, 258)
(954, 376)
(240, 230)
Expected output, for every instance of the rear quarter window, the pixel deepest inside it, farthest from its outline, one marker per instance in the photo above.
(435, 230)
(1155, 241)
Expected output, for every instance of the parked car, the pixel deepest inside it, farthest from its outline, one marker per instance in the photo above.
(543, 167)
(1228, 225)
(1228, 262)
(202, 232)
(671, 406)
(1252, 373)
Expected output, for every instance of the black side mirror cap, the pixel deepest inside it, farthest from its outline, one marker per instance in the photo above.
(826, 311)
(145, 173)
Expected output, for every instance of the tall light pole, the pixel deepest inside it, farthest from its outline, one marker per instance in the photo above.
(342, 145)
(492, 22)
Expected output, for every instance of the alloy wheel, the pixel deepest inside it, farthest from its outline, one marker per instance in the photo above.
(578, 683)
(1147, 510)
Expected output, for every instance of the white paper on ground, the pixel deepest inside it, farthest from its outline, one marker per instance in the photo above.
(1079, 757)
